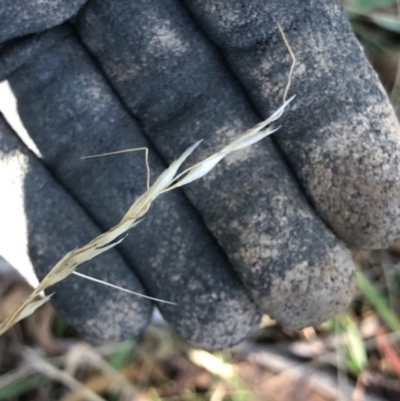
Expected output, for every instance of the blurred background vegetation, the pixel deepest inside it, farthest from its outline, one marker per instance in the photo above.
(355, 356)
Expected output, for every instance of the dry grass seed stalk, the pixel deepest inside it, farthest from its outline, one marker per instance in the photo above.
(167, 181)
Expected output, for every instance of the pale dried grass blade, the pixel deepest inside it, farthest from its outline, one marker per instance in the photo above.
(292, 55)
(116, 152)
(130, 150)
(117, 287)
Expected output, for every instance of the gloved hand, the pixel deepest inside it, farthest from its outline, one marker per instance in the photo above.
(163, 74)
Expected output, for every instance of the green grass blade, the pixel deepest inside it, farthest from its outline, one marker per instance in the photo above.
(357, 353)
(16, 389)
(386, 21)
(122, 354)
(364, 6)
(378, 301)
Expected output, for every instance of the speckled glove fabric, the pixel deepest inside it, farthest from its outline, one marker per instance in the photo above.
(262, 232)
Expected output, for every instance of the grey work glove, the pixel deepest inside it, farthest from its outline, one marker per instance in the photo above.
(163, 74)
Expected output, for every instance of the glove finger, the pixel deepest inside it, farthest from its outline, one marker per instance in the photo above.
(342, 136)
(174, 82)
(22, 17)
(40, 223)
(70, 111)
